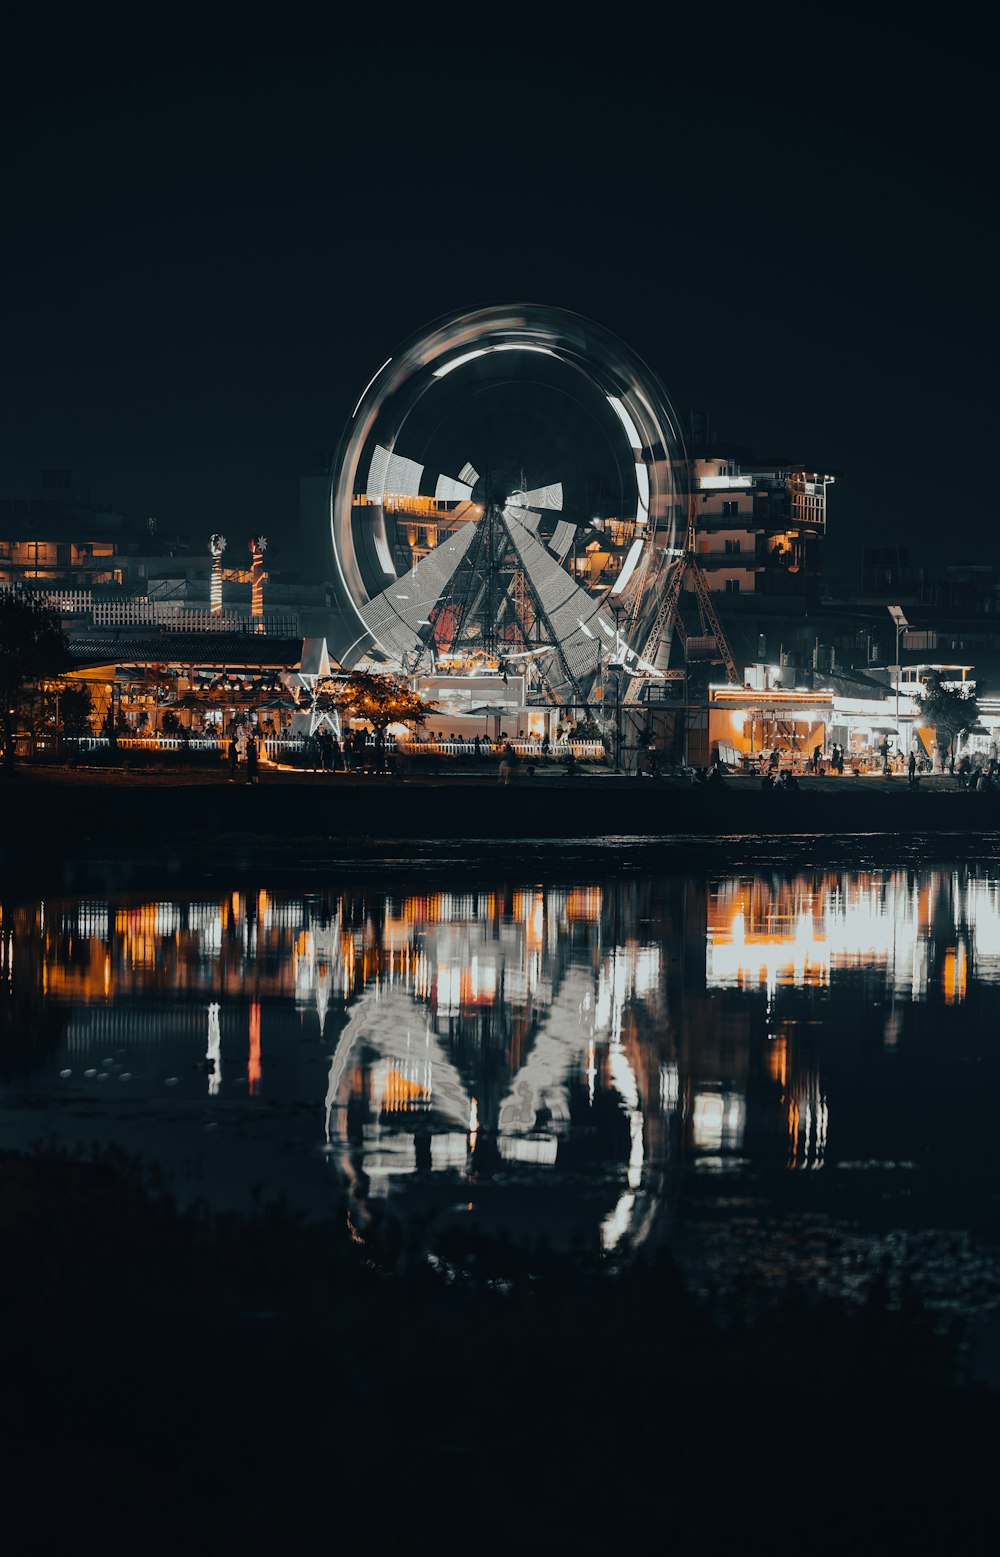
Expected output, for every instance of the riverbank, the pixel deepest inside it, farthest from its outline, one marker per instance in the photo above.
(266, 1381)
(56, 822)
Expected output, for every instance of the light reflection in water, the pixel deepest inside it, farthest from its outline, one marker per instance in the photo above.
(599, 1041)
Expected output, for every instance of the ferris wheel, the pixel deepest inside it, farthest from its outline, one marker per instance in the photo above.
(510, 490)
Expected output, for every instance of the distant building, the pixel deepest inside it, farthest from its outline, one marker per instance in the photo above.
(760, 527)
(61, 539)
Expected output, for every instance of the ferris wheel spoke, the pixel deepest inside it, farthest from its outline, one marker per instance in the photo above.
(397, 618)
(550, 496)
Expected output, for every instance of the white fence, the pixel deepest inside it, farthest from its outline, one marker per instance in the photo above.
(175, 615)
(180, 618)
(68, 602)
(279, 747)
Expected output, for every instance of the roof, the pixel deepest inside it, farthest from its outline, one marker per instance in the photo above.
(853, 683)
(128, 647)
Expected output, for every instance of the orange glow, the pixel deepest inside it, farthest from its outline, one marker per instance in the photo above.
(955, 975)
(253, 1061)
(401, 1093)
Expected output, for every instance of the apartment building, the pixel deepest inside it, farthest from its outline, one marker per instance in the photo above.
(760, 527)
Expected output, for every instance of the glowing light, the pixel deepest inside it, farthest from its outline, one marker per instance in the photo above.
(623, 416)
(368, 386)
(213, 1051)
(253, 1058)
(642, 482)
(629, 566)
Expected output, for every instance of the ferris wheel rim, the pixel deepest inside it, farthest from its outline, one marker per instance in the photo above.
(429, 355)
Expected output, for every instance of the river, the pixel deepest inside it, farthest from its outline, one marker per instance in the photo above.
(786, 1072)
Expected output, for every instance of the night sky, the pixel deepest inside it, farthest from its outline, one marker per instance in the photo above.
(214, 237)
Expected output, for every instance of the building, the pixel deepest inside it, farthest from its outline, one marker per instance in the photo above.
(760, 528)
(63, 540)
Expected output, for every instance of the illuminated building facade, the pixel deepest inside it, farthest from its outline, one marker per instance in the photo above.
(207, 678)
(760, 528)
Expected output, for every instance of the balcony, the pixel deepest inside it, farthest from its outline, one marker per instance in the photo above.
(758, 522)
(730, 559)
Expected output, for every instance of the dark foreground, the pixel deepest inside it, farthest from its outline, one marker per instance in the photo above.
(193, 1382)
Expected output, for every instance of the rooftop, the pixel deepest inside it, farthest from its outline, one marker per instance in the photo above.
(151, 648)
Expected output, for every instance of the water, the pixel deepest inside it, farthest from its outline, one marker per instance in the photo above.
(783, 1074)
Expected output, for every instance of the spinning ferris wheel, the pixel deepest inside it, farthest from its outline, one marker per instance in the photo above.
(511, 488)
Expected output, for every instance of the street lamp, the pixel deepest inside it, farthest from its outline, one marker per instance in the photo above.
(901, 624)
(617, 608)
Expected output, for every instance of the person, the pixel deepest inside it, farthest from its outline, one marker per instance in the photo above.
(336, 756)
(774, 760)
(546, 744)
(507, 760)
(951, 762)
(815, 758)
(477, 748)
(252, 756)
(234, 757)
(911, 767)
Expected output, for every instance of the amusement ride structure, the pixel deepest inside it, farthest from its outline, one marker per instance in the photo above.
(511, 493)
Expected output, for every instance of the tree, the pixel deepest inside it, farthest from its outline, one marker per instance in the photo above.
(379, 700)
(951, 710)
(75, 708)
(32, 646)
(62, 705)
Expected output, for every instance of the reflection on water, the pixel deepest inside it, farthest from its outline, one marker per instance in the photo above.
(616, 1062)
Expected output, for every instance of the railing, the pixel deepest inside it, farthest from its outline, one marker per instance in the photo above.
(585, 750)
(68, 602)
(182, 618)
(277, 747)
(140, 611)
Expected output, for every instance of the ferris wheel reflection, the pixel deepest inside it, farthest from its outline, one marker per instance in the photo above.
(550, 1055)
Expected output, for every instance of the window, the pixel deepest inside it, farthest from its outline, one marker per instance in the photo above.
(730, 507)
(732, 586)
(733, 547)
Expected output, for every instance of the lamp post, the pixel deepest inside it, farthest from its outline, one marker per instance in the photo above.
(901, 624)
(619, 661)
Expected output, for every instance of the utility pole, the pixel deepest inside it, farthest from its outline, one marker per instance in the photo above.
(901, 624)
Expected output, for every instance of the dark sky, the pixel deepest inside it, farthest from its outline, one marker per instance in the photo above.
(213, 237)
